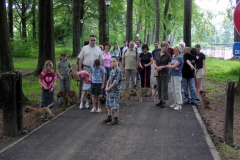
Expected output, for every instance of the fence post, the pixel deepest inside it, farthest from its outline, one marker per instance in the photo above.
(11, 90)
(228, 125)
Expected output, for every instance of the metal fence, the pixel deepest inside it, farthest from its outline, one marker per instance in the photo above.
(221, 51)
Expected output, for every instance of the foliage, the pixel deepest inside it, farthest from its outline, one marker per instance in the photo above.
(222, 70)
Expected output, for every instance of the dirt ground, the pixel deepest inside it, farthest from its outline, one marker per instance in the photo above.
(213, 119)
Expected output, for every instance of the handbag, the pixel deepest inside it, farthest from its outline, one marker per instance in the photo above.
(155, 73)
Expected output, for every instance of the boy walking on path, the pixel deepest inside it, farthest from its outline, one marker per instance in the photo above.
(113, 90)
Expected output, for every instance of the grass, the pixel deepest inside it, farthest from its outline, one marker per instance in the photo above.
(229, 152)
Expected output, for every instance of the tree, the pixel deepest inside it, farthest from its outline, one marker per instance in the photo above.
(187, 22)
(129, 20)
(76, 27)
(6, 62)
(10, 17)
(157, 9)
(102, 22)
(46, 38)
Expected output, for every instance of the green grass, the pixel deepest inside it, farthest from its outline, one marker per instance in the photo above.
(229, 152)
(222, 70)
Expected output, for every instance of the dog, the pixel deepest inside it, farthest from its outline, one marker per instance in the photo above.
(39, 111)
(70, 96)
(75, 76)
(155, 89)
(126, 95)
(205, 100)
(102, 100)
(144, 91)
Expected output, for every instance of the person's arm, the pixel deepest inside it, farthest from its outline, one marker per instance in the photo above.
(103, 80)
(151, 62)
(80, 63)
(123, 64)
(190, 64)
(174, 65)
(40, 82)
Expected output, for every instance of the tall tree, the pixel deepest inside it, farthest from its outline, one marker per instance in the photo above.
(76, 27)
(10, 17)
(34, 20)
(129, 20)
(102, 22)
(157, 9)
(6, 62)
(166, 9)
(187, 22)
(46, 38)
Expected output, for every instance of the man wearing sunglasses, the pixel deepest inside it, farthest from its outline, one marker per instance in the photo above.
(89, 53)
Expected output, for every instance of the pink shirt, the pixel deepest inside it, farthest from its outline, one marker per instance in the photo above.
(107, 59)
(47, 79)
(84, 75)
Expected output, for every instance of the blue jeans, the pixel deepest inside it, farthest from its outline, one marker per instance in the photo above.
(191, 83)
(47, 98)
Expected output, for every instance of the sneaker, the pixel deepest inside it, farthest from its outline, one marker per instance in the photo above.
(81, 106)
(198, 100)
(113, 122)
(43, 116)
(173, 105)
(87, 105)
(194, 103)
(93, 110)
(163, 105)
(99, 110)
(177, 107)
(108, 120)
(186, 102)
(159, 103)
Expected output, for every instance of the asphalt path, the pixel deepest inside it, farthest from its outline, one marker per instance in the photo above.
(145, 132)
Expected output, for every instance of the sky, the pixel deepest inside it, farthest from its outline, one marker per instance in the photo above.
(213, 5)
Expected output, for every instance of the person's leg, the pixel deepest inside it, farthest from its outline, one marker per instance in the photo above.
(67, 84)
(192, 91)
(199, 87)
(159, 89)
(142, 78)
(185, 88)
(109, 118)
(165, 79)
(61, 88)
(173, 89)
(82, 99)
(133, 75)
(148, 77)
(127, 78)
(94, 103)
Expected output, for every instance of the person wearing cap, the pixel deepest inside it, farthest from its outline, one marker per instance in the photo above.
(200, 70)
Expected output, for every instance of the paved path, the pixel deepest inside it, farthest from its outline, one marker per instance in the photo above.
(145, 132)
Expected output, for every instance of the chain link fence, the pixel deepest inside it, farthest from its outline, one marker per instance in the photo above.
(219, 51)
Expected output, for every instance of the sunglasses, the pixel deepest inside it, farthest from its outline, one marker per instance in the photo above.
(93, 40)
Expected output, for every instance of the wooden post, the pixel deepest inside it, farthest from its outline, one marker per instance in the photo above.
(11, 89)
(228, 125)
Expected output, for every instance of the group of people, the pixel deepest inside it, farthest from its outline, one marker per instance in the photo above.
(102, 70)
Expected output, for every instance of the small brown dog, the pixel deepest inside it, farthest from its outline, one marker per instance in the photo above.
(126, 95)
(39, 111)
(102, 100)
(205, 100)
(70, 96)
(144, 91)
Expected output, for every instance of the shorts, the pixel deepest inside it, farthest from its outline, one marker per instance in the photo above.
(96, 89)
(86, 86)
(112, 102)
(199, 73)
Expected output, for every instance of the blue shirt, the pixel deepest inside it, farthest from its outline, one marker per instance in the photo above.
(97, 73)
(179, 71)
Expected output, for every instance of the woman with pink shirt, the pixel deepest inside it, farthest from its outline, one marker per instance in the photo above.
(107, 62)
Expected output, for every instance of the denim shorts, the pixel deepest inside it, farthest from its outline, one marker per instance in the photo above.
(96, 89)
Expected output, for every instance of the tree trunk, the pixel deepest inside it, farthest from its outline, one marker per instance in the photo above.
(76, 27)
(102, 22)
(10, 18)
(157, 9)
(46, 39)
(34, 20)
(24, 19)
(139, 24)
(129, 21)
(81, 24)
(187, 22)
(166, 8)
(6, 62)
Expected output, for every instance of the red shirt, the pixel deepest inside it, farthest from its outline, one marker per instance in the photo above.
(47, 79)
(170, 51)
